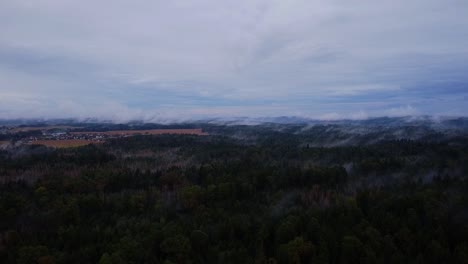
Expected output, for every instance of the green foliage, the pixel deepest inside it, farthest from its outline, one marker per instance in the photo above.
(296, 251)
(187, 199)
(32, 254)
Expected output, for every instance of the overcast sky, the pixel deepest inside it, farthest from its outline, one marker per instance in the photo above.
(148, 59)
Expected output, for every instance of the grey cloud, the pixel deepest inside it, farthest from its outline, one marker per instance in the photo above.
(282, 51)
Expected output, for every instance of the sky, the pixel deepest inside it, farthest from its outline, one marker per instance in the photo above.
(159, 60)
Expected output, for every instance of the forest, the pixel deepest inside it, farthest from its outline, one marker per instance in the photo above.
(241, 194)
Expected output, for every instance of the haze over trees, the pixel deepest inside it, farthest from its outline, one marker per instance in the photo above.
(242, 194)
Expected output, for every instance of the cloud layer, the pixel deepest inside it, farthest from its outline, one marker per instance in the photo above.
(147, 59)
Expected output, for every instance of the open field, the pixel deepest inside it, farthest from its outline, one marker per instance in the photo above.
(196, 131)
(66, 143)
(26, 129)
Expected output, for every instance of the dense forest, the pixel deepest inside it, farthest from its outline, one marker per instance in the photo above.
(243, 194)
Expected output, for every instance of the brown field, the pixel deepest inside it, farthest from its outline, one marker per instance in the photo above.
(3, 142)
(196, 131)
(27, 129)
(66, 143)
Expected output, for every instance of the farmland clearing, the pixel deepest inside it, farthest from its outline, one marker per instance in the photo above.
(195, 131)
(66, 143)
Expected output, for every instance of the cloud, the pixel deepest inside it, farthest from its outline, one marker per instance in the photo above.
(402, 111)
(276, 57)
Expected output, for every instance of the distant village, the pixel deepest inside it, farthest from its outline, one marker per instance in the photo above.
(66, 133)
(69, 136)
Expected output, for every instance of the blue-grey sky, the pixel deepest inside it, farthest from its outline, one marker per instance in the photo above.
(151, 60)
